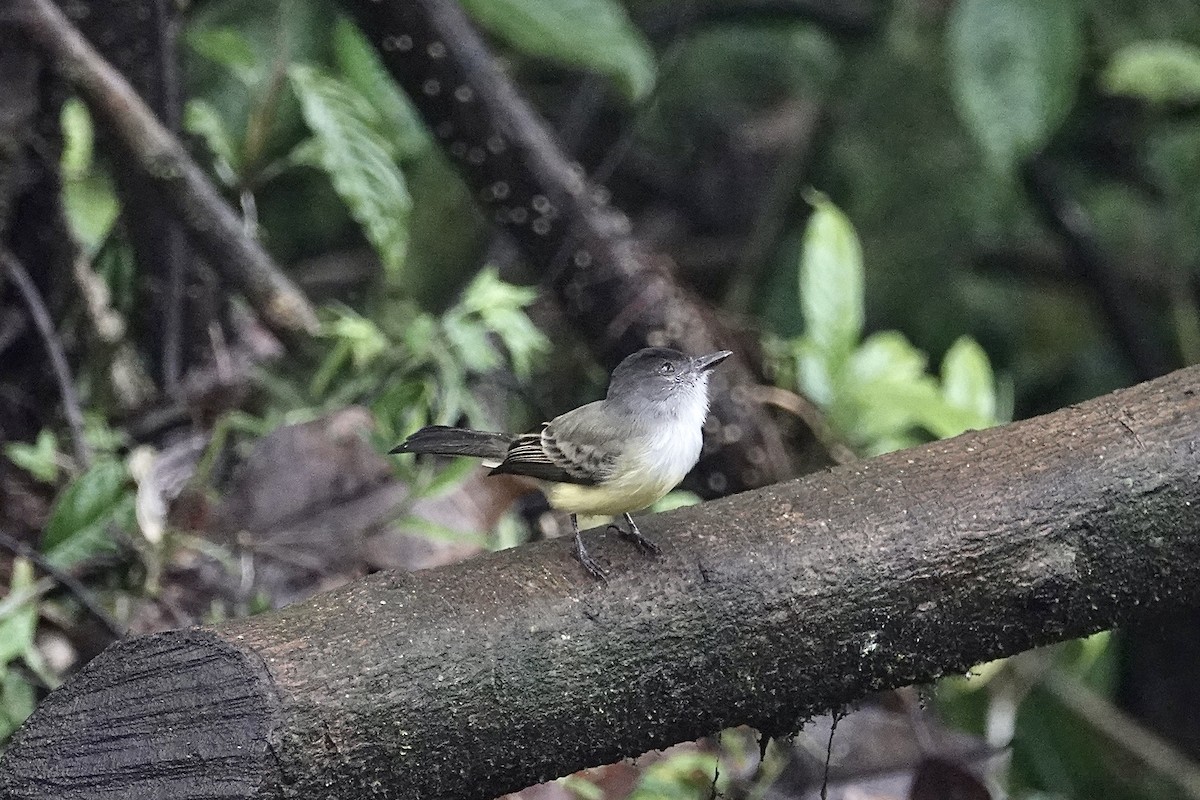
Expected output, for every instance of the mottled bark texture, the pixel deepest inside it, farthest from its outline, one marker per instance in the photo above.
(764, 608)
(619, 296)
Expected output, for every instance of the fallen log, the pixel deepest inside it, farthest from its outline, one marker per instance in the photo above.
(764, 608)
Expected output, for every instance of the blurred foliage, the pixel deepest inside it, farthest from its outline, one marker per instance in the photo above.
(875, 392)
(873, 303)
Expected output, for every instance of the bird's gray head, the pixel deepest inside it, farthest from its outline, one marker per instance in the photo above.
(663, 381)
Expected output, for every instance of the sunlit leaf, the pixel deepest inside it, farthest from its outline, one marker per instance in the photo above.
(78, 139)
(968, 382)
(356, 159)
(886, 356)
(88, 194)
(831, 282)
(39, 459)
(1014, 67)
(1160, 72)
(594, 34)
(18, 625)
(813, 373)
(16, 701)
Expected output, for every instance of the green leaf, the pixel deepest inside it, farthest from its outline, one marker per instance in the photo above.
(813, 374)
(227, 47)
(78, 525)
(201, 118)
(594, 34)
(886, 356)
(20, 623)
(16, 702)
(500, 307)
(1160, 72)
(78, 139)
(360, 67)
(968, 382)
(356, 159)
(39, 459)
(831, 282)
(1014, 66)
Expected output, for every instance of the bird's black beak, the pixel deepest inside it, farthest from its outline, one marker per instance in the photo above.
(711, 360)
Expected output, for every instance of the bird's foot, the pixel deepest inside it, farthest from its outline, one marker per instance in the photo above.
(635, 536)
(588, 562)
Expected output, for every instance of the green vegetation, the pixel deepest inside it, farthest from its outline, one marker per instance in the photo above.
(891, 256)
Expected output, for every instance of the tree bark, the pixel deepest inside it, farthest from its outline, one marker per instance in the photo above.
(162, 161)
(765, 608)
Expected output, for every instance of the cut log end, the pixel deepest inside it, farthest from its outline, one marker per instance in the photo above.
(180, 714)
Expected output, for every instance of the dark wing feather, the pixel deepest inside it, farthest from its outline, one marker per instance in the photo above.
(552, 456)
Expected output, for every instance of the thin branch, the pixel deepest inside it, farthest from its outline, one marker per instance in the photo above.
(764, 608)
(212, 224)
(72, 409)
(66, 580)
(1131, 327)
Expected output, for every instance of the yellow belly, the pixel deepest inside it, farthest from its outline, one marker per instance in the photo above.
(619, 496)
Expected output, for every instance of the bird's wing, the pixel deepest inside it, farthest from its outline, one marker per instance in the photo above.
(573, 448)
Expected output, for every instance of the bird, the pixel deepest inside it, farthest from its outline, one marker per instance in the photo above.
(609, 457)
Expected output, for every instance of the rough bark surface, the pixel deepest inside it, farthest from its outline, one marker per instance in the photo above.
(765, 608)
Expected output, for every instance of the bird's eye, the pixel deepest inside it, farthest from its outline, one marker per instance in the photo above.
(667, 368)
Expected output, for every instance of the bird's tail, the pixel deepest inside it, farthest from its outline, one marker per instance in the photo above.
(444, 441)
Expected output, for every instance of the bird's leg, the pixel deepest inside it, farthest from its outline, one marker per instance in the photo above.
(581, 553)
(634, 535)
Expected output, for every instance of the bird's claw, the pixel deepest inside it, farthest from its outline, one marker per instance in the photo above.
(588, 562)
(635, 536)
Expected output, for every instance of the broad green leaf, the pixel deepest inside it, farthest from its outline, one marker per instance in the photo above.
(1160, 72)
(227, 47)
(356, 159)
(39, 459)
(92, 208)
(360, 67)
(88, 194)
(968, 382)
(79, 521)
(593, 34)
(16, 701)
(201, 118)
(95, 538)
(1014, 67)
(19, 624)
(813, 373)
(885, 409)
(886, 356)
(78, 139)
(831, 282)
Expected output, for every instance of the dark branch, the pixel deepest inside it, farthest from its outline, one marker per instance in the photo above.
(618, 296)
(1130, 325)
(72, 409)
(66, 580)
(211, 223)
(765, 608)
